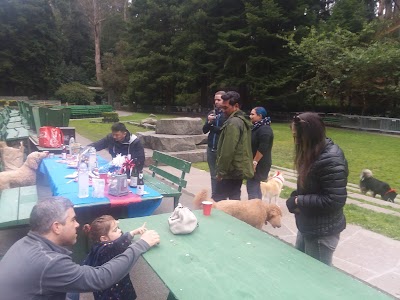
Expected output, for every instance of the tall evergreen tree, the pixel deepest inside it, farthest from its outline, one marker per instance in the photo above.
(153, 66)
(29, 48)
(77, 43)
(349, 14)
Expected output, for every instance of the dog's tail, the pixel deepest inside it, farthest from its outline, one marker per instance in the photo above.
(201, 196)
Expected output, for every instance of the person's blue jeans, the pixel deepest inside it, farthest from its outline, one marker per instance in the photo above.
(212, 161)
(253, 189)
(320, 248)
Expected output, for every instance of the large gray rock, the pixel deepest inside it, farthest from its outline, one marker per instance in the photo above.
(171, 143)
(151, 121)
(180, 126)
(199, 155)
(193, 156)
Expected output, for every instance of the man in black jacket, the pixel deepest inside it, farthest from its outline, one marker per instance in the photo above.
(214, 122)
(121, 141)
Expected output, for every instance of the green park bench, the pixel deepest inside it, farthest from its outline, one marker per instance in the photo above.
(16, 205)
(13, 134)
(160, 183)
(11, 112)
(105, 108)
(13, 128)
(82, 111)
(332, 121)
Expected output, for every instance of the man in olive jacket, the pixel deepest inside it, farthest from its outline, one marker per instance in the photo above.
(234, 154)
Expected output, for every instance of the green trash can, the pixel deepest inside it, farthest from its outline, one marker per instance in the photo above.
(56, 117)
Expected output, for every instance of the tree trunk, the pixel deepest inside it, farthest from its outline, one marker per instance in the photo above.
(381, 7)
(396, 8)
(388, 9)
(97, 56)
(364, 105)
(125, 10)
(111, 97)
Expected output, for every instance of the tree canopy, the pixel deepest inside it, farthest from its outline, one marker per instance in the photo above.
(336, 55)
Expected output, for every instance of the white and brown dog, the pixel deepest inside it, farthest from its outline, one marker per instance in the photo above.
(12, 158)
(23, 176)
(271, 189)
(254, 212)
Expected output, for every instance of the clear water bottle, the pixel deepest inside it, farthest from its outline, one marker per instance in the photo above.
(92, 158)
(83, 181)
(140, 185)
(71, 142)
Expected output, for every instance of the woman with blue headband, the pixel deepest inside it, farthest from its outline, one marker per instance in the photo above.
(262, 138)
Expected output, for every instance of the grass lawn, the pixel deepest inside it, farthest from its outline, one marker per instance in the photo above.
(381, 223)
(363, 150)
(95, 131)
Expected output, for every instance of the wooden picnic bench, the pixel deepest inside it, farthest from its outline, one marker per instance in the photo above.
(16, 205)
(167, 184)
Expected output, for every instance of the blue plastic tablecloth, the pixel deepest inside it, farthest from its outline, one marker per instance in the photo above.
(56, 172)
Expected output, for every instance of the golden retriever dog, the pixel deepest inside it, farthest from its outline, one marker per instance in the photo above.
(272, 188)
(12, 158)
(254, 212)
(23, 176)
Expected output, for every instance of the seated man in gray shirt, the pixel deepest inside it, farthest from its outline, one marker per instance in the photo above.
(39, 267)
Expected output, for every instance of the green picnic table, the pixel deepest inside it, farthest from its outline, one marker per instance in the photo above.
(16, 205)
(225, 258)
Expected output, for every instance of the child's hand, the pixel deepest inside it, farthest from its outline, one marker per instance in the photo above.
(139, 230)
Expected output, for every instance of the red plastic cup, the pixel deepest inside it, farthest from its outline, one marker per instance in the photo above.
(207, 207)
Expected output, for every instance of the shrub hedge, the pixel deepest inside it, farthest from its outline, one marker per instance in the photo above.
(110, 117)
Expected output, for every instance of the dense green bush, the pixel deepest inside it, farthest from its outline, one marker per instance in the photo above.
(110, 117)
(74, 92)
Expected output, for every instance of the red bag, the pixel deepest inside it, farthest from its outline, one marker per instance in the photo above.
(50, 137)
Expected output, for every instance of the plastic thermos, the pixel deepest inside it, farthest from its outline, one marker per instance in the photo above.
(134, 176)
(83, 181)
(140, 185)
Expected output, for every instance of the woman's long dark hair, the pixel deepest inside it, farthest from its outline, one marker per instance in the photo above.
(309, 137)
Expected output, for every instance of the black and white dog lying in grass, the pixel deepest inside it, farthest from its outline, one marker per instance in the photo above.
(369, 183)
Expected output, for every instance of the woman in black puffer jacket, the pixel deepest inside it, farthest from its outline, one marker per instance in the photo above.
(321, 188)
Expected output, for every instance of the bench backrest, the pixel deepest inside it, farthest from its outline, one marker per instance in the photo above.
(160, 158)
